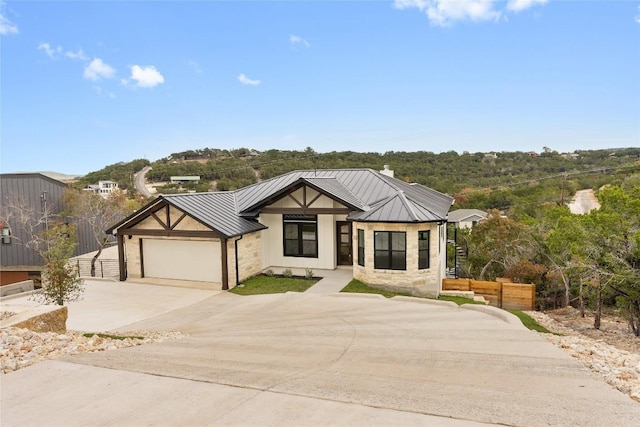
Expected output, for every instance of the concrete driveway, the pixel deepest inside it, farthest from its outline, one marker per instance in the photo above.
(304, 359)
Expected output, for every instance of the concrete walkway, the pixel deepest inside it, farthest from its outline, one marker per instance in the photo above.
(316, 360)
(332, 281)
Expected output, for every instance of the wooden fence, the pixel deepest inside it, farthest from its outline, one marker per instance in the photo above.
(501, 293)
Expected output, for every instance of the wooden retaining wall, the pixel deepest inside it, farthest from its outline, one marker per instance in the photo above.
(502, 294)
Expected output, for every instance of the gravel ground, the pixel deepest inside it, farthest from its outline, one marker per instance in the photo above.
(21, 347)
(618, 367)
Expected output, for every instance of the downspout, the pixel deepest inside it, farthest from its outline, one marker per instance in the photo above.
(225, 264)
(237, 267)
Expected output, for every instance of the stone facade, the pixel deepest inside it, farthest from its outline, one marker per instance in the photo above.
(249, 257)
(419, 282)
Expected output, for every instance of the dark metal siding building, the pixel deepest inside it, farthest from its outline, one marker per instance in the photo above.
(37, 194)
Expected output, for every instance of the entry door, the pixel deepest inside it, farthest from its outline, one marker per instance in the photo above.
(345, 244)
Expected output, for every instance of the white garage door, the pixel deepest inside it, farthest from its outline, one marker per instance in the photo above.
(182, 260)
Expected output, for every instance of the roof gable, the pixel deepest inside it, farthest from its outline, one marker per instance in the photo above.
(215, 211)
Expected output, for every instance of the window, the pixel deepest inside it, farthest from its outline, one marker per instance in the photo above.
(390, 250)
(360, 247)
(6, 235)
(423, 249)
(300, 235)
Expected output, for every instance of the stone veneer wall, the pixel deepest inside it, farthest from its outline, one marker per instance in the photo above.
(412, 280)
(249, 257)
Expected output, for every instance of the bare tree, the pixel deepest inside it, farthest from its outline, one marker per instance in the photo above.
(53, 239)
(99, 213)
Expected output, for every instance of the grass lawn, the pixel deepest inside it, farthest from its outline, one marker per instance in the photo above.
(358, 287)
(529, 322)
(110, 336)
(459, 300)
(258, 285)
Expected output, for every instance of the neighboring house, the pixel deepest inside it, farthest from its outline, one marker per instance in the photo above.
(466, 218)
(38, 194)
(103, 188)
(184, 179)
(389, 232)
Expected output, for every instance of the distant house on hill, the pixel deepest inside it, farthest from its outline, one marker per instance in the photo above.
(466, 218)
(103, 188)
(184, 179)
(41, 197)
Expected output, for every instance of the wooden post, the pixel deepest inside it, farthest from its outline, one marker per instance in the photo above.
(121, 264)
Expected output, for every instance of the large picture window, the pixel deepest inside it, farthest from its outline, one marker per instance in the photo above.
(390, 248)
(423, 249)
(361, 247)
(300, 235)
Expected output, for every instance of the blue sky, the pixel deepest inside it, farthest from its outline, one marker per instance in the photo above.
(85, 84)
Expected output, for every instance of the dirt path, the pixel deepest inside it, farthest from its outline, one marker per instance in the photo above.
(583, 202)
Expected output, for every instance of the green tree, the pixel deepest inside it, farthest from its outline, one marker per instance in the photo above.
(495, 245)
(60, 281)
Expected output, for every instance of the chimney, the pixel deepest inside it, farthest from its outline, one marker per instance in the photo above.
(386, 171)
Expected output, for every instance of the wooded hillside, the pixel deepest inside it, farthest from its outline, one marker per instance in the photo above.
(500, 180)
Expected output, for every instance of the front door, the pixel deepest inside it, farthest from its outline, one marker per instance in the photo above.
(345, 254)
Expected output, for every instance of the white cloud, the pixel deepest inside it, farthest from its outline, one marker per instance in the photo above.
(520, 5)
(297, 40)
(146, 76)
(638, 16)
(446, 12)
(7, 27)
(195, 66)
(247, 81)
(48, 50)
(97, 70)
(98, 90)
(79, 54)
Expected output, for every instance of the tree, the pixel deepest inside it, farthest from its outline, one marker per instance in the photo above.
(622, 208)
(60, 281)
(495, 245)
(99, 213)
(54, 240)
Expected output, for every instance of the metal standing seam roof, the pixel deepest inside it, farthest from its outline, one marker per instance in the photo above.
(364, 186)
(375, 198)
(396, 208)
(216, 210)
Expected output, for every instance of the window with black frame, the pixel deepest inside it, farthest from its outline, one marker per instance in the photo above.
(423, 249)
(390, 250)
(300, 235)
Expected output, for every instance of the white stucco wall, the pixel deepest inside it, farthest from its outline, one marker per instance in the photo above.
(272, 237)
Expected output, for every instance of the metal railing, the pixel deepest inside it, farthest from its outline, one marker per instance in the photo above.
(105, 268)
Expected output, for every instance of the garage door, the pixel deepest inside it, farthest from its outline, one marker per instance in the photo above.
(182, 260)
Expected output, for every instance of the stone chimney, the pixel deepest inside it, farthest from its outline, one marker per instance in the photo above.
(386, 171)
